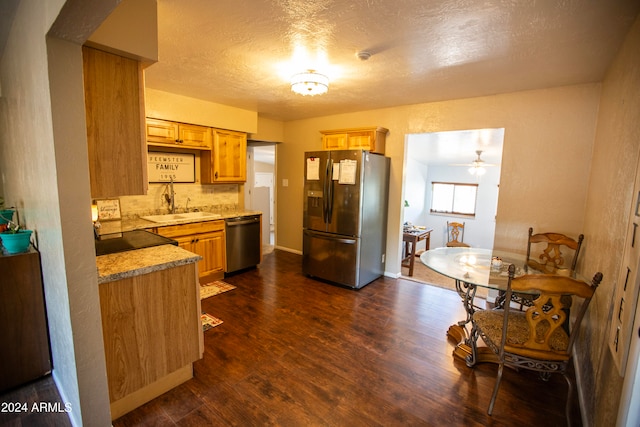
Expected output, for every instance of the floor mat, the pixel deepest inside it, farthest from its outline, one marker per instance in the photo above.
(208, 321)
(214, 288)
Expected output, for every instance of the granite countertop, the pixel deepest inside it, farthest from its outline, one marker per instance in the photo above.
(132, 263)
(122, 265)
(141, 224)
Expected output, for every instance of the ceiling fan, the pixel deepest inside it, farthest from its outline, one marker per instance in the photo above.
(477, 166)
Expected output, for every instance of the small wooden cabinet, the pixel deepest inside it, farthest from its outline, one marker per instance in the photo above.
(371, 139)
(114, 106)
(228, 160)
(24, 334)
(206, 239)
(173, 134)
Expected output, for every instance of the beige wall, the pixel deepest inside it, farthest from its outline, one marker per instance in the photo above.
(615, 164)
(170, 106)
(43, 162)
(268, 130)
(545, 170)
(131, 30)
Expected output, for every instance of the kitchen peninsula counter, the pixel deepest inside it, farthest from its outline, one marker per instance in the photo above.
(152, 332)
(142, 261)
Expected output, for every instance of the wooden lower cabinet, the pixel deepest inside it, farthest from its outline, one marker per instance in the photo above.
(152, 334)
(206, 239)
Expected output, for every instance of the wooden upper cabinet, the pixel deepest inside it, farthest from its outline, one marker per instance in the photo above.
(334, 141)
(114, 105)
(371, 139)
(196, 136)
(161, 131)
(174, 134)
(228, 160)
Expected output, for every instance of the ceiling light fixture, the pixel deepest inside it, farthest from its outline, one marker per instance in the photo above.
(477, 167)
(309, 83)
(477, 170)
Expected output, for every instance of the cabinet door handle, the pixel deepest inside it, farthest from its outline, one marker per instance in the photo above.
(216, 175)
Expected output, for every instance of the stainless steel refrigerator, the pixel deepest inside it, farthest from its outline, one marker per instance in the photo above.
(345, 216)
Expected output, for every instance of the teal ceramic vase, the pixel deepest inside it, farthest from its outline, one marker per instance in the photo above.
(16, 243)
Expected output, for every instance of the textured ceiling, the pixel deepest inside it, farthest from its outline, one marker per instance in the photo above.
(456, 148)
(241, 53)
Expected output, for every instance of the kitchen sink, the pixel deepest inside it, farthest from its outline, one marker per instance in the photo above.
(181, 217)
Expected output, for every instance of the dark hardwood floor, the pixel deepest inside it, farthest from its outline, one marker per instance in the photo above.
(293, 351)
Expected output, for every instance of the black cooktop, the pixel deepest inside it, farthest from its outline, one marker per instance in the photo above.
(131, 240)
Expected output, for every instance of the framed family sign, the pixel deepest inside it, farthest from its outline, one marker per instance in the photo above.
(162, 167)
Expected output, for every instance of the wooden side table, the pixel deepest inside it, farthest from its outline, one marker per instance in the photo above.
(24, 332)
(411, 239)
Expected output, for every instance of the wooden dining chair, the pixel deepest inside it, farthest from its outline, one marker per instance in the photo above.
(455, 231)
(536, 339)
(551, 246)
(550, 260)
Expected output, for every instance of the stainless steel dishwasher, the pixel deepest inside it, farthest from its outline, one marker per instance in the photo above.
(243, 242)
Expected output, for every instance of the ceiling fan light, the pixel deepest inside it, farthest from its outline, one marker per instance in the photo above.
(477, 170)
(309, 83)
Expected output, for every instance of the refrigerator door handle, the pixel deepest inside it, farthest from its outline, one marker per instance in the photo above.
(328, 236)
(324, 193)
(330, 191)
(327, 190)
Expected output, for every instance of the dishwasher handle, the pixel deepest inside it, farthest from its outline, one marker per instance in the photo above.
(242, 222)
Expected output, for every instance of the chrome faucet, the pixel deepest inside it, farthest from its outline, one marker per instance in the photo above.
(171, 198)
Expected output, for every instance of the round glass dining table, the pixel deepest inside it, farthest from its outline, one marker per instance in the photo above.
(471, 268)
(475, 266)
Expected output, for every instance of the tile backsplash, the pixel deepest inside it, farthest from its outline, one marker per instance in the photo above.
(216, 198)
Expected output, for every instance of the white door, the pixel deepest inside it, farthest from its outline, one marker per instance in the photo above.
(265, 179)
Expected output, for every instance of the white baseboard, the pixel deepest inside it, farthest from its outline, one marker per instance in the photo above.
(73, 416)
(293, 251)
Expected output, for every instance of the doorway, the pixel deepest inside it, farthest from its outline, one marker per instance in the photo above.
(260, 190)
(449, 157)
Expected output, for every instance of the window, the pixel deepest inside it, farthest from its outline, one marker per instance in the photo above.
(451, 198)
